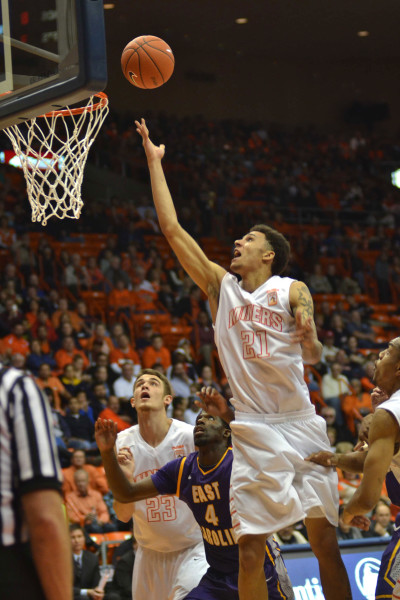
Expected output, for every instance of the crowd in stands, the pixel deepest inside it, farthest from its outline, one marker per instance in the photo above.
(84, 308)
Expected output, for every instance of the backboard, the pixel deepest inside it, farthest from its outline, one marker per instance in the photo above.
(52, 54)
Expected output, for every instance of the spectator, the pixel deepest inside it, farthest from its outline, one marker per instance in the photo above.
(381, 525)
(87, 507)
(156, 352)
(99, 399)
(101, 340)
(346, 532)
(86, 571)
(360, 330)
(202, 338)
(69, 380)
(289, 535)
(64, 310)
(66, 354)
(329, 350)
(96, 277)
(318, 282)
(180, 380)
(112, 412)
(15, 342)
(84, 406)
(206, 378)
(179, 407)
(114, 272)
(75, 276)
(368, 376)
(37, 357)
(123, 386)
(123, 352)
(146, 337)
(46, 380)
(81, 427)
(97, 478)
(335, 385)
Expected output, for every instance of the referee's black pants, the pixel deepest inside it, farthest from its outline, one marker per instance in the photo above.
(18, 577)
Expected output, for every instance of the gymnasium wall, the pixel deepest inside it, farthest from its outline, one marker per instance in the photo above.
(288, 93)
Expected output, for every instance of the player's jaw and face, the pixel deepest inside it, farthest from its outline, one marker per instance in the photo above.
(149, 394)
(251, 252)
(387, 367)
(209, 429)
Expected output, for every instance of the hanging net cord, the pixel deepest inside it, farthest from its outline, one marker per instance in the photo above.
(53, 150)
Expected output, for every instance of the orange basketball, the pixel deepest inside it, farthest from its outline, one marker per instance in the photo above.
(147, 62)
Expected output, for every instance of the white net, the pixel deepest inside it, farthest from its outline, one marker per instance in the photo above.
(53, 150)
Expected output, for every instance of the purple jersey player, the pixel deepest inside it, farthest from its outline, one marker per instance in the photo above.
(202, 480)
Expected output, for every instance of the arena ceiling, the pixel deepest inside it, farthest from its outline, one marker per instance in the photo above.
(312, 30)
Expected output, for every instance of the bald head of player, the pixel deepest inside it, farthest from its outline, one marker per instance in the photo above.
(387, 368)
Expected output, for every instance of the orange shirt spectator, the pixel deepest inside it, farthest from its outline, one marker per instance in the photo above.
(97, 477)
(47, 380)
(85, 502)
(74, 318)
(122, 353)
(100, 337)
(66, 354)
(157, 352)
(120, 296)
(111, 412)
(15, 343)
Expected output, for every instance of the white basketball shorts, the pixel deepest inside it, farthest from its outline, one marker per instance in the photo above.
(167, 575)
(272, 486)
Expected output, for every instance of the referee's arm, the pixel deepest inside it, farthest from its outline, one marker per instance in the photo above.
(40, 486)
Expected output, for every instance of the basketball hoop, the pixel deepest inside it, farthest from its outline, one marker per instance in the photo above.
(53, 149)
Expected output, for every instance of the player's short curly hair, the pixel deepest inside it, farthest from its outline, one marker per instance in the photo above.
(280, 246)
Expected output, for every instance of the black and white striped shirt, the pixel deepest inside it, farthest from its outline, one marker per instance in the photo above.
(28, 453)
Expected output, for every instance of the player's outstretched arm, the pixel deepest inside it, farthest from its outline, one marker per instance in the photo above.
(305, 332)
(383, 436)
(205, 273)
(122, 489)
(353, 462)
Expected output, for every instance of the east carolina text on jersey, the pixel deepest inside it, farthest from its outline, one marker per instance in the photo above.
(206, 492)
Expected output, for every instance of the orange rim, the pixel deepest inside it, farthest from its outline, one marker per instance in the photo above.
(78, 111)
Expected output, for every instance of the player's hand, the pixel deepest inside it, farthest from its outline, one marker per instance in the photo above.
(359, 521)
(377, 397)
(214, 403)
(323, 458)
(304, 332)
(126, 461)
(105, 433)
(152, 151)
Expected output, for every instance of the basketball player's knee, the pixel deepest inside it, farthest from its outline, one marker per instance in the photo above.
(251, 553)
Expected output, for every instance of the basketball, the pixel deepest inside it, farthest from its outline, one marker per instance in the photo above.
(147, 62)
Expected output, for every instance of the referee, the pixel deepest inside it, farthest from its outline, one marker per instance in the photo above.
(35, 552)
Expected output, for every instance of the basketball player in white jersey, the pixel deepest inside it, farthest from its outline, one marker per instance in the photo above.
(170, 559)
(264, 329)
(380, 463)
